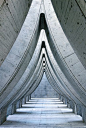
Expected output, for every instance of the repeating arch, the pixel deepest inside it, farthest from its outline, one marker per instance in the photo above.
(42, 46)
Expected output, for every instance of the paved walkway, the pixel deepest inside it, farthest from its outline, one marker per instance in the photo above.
(44, 113)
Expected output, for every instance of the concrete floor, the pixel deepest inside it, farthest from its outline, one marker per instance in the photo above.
(44, 113)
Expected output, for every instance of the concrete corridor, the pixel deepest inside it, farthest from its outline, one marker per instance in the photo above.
(44, 113)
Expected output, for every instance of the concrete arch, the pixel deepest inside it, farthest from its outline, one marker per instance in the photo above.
(58, 54)
(26, 76)
(12, 16)
(16, 61)
(63, 64)
(72, 16)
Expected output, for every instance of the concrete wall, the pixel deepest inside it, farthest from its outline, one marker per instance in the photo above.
(44, 90)
(12, 16)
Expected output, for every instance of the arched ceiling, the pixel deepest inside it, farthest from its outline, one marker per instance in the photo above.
(42, 46)
(72, 17)
(12, 16)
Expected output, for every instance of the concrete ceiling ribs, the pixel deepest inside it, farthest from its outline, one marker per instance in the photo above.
(40, 44)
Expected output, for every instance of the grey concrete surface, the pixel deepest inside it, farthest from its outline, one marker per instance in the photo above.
(72, 18)
(63, 52)
(26, 76)
(12, 16)
(44, 113)
(15, 67)
(54, 40)
(44, 90)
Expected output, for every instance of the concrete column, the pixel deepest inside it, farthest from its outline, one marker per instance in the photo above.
(13, 108)
(27, 99)
(68, 103)
(72, 105)
(75, 108)
(65, 101)
(30, 97)
(58, 96)
(9, 110)
(3, 113)
(24, 100)
(79, 110)
(20, 103)
(84, 114)
(61, 98)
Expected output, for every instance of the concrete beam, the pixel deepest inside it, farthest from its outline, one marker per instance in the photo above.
(3, 113)
(16, 61)
(72, 17)
(29, 83)
(54, 41)
(12, 16)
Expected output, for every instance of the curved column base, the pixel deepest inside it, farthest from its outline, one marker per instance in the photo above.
(3, 113)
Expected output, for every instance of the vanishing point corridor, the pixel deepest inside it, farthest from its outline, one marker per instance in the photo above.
(42, 63)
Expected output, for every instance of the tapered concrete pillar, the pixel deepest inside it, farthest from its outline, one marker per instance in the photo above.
(27, 98)
(68, 103)
(65, 101)
(9, 110)
(3, 113)
(30, 97)
(13, 108)
(84, 114)
(24, 100)
(20, 103)
(75, 108)
(61, 98)
(72, 105)
(79, 110)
